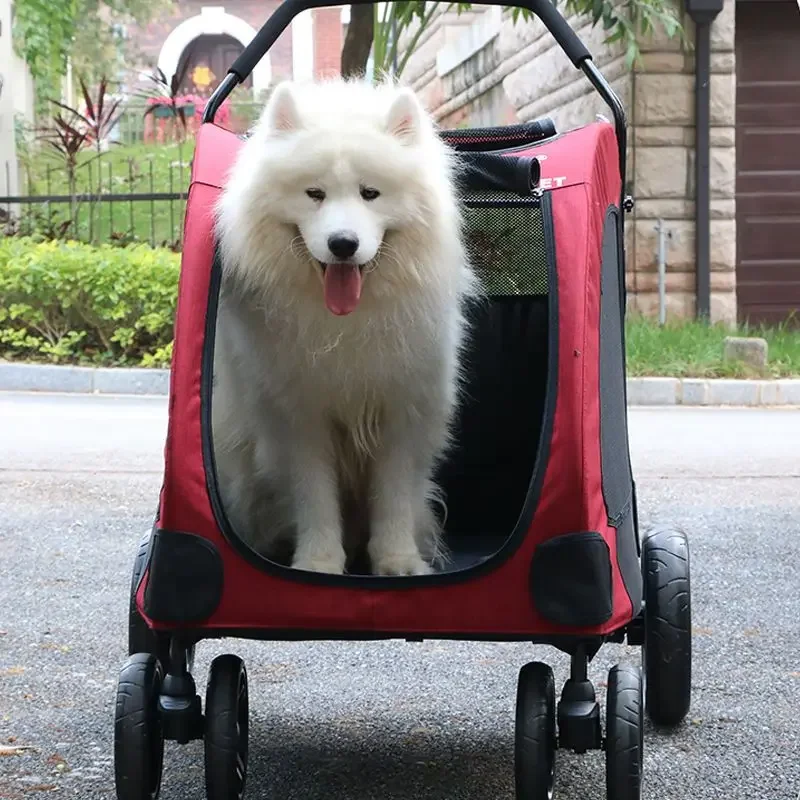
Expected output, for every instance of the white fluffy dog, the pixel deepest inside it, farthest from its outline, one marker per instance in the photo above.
(340, 328)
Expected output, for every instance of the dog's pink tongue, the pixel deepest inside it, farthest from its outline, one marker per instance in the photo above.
(342, 288)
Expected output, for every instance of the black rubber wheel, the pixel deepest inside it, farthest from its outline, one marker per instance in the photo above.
(142, 639)
(138, 738)
(624, 733)
(667, 651)
(226, 729)
(535, 733)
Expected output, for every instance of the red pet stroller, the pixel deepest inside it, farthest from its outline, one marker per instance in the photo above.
(542, 518)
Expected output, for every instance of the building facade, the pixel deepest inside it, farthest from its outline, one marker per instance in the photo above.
(486, 69)
(201, 40)
(16, 101)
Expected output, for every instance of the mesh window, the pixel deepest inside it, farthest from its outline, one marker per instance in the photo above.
(505, 240)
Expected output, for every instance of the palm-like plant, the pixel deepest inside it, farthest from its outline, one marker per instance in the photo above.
(99, 116)
(67, 137)
(83, 129)
(167, 95)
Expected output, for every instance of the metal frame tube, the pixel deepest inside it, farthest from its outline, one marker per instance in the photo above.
(701, 163)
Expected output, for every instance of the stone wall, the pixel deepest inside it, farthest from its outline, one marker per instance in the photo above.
(662, 122)
(496, 72)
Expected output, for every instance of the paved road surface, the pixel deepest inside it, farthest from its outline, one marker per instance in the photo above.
(390, 721)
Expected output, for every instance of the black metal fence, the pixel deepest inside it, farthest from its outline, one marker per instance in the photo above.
(100, 201)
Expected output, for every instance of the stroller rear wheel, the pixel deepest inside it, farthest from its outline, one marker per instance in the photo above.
(624, 734)
(667, 626)
(138, 736)
(142, 639)
(535, 733)
(226, 729)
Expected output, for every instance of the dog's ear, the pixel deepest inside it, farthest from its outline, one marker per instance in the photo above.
(405, 119)
(282, 114)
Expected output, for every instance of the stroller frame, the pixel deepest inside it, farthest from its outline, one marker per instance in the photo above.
(157, 698)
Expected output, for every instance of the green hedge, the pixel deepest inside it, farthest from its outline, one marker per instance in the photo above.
(68, 302)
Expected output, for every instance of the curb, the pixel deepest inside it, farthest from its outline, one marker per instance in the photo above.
(641, 391)
(83, 380)
(713, 392)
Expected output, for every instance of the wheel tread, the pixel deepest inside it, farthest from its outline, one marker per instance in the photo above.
(225, 737)
(535, 743)
(138, 742)
(624, 734)
(668, 645)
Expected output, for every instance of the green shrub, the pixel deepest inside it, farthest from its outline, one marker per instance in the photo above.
(68, 302)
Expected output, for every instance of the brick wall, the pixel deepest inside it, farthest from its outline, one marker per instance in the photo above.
(328, 39)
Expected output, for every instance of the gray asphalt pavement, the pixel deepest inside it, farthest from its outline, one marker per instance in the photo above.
(79, 479)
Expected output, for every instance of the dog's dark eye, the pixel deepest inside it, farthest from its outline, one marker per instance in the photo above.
(316, 194)
(368, 193)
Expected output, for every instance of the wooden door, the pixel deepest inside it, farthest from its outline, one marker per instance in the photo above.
(768, 160)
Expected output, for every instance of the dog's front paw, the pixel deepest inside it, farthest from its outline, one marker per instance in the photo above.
(401, 564)
(328, 563)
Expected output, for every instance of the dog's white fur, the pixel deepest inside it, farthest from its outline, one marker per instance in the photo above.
(327, 428)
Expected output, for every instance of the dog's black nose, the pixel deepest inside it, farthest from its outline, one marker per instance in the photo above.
(343, 244)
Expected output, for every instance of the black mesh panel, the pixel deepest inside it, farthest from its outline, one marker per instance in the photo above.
(505, 240)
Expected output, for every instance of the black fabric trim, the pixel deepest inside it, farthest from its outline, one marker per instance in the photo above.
(488, 172)
(516, 537)
(629, 560)
(142, 560)
(635, 509)
(571, 579)
(617, 476)
(616, 469)
(185, 577)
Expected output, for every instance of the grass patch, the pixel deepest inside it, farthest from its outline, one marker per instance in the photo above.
(689, 349)
(133, 169)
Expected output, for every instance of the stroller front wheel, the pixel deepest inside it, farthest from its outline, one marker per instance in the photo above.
(624, 733)
(138, 735)
(226, 729)
(535, 733)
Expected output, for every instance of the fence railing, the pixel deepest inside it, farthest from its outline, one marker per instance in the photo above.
(101, 202)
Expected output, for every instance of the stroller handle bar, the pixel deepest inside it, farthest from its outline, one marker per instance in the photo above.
(287, 10)
(566, 38)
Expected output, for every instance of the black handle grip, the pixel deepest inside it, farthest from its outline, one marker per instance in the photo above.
(567, 38)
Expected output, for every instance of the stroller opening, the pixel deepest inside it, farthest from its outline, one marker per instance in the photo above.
(488, 476)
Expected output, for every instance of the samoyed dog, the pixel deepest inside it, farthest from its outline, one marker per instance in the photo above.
(340, 329)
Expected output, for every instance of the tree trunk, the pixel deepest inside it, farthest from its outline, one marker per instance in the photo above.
(358, 41)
